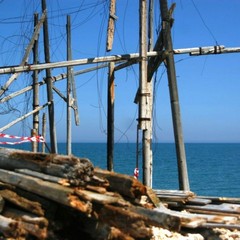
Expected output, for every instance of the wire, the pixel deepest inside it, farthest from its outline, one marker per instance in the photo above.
(204, 23)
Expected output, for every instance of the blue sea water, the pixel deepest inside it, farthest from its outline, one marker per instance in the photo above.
(213, 168)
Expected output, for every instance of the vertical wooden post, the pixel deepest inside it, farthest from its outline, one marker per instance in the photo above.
(147, 133)
(150, 26)
(110, 117)
(35, 130)
(144, 121)
(175, 106)
(69, 89)
(111, 22)
(44, 126)
(49, 83)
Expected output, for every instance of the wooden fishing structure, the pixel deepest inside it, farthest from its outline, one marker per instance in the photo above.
(49, 196)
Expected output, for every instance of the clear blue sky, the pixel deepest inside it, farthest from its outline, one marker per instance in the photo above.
(209, 86)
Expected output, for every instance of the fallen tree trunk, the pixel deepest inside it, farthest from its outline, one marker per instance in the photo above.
(77, 171)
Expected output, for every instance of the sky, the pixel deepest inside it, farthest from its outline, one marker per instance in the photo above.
(208, 86)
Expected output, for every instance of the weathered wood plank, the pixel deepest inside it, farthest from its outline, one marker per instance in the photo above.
(43, 176)
(52, 191)
(101, 190)
(198, 201)
(129, 223)
(173, 198)
(28, 224)
(218, 218)
(221, 225)
(159, 218)
(46, 189)
(55, 192)
(78, 171)
(9, 227)
(174, 192)
(125, 185)
(222, 208)
(187, 220)
(222, 199)
(153, 197)
(210, 212)
(101, 198)
(33, 207)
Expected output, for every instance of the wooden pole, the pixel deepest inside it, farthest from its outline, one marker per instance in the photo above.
(150, 25)
(118, 58)
(144, 120)
(175, 106)
(110, 118)
(35, 90)
(69, 89)
(147, 133)
(111, 23)
(44, 127)
(49, 83)
(84, 61)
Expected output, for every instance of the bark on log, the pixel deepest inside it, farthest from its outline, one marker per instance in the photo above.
(186, 219)
(129, 224)
(123, 184)
(33, 207)
(78, 171)
(8, 227)
(35, 185)
(2, 203)
(55, 192)
(28, 224)
(43, 176)
(136, 221)
(102, 199)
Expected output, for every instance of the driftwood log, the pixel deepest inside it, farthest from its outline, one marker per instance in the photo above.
(110, 208)
(76, 171)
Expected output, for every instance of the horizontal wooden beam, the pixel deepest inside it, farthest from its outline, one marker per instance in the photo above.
(116, 58)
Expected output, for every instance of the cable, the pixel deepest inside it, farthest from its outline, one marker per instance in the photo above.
(204, 23)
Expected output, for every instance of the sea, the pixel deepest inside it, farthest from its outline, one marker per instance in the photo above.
(213, 168)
